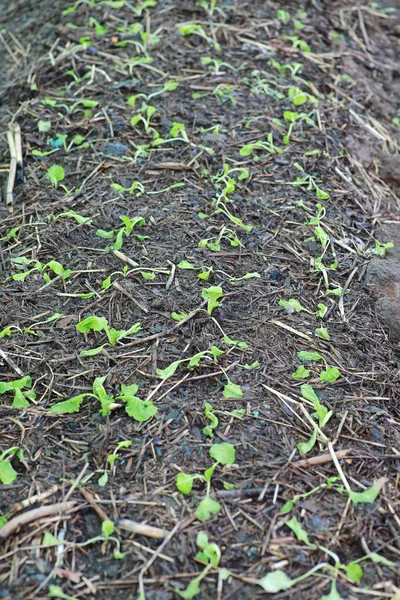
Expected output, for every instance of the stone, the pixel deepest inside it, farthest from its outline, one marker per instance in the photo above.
(384, 275)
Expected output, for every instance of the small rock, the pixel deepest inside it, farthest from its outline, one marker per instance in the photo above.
(384, 275)
(115, 149)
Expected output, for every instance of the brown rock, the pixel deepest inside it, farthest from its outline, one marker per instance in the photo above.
(384, 275)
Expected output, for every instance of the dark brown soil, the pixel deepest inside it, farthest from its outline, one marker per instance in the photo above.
(264, 226)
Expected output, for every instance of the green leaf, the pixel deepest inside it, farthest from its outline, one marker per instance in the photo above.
(353, 571)
(210, 554)
(17, 384)
(55, 174)
(212, 294)
(107, 528)
(378, 559)
(305, 355)
(184, 264)
(232, 390)
(44, 126)
(103, 480)
(206, 508)
(301, 373)
(192, 590)
(178, 316)
(7, 472)
(50, 540)
(308, 393)
(299, 532)
(254, 365)
(223, 453)
(184, 483)
(19, 400)
(56, 592)
(322, 332)
(304, 447)
(331, 374)
(68, 406)
(106, 235)
(146, 275)
(140, 410)
(93, 351)
(322, 308)
(169, 371)
(333, 594)
(292, 303)
(92, 323)
(366, 497)
(275, 582)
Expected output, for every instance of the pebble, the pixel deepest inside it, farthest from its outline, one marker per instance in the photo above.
(383, 275)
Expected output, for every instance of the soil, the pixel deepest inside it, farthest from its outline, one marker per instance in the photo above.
(252, 230)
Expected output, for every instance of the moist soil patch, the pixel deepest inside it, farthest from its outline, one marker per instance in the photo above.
(188, 333)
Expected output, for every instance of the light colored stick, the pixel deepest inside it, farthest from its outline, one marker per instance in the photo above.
(34, 515)
(319, 460)
(141, 529)
(12, 172)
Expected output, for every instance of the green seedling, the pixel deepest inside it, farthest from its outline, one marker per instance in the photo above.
(212, 294)
(321, 412)
(114, 336)
(330, 374)
(178, 132)
(215, 64)
(221, 207)
(210, 555)
(111, 458)
(7, 472)
(298, 43)
(126, 230)
(194, 29)
(194, 361)
(232, 390)
(107, 529)
(224, 93)
(139, 410)
(71, 214)
(298, 97)
(144, 116)
(380, 248)
(136, 188)
(17, 387)
(310, 182)
(223, 454)
(226, 181)
(44, 126)
(55, 174)
(293, 306)
(263, 83)
(210, 413)
(98, 28)
(21, 262)
(283, 16)
(266, 146)
(209, 6)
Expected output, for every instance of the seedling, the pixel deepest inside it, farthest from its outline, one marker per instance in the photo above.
(298, 97)
(283, 16)
(139, 410)
(215, 64)
(212, 294)
(224, 93)
(136, 188)
(111, 458)
(21, 262)
(126, 230)
(193, 361)
(55, 174)
(145, 118)
(17, 387)
(209, 6)
(223, 454)
(298, 43)
(380, 248)
(194, 29)
(7, 471)
(210, 554)
(267, 146)
(310, 182)
(94, 323)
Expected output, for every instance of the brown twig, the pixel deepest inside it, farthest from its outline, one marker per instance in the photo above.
(34, 515)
